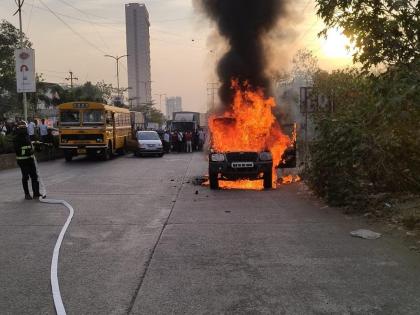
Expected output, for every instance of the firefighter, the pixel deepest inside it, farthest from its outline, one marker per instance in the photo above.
(26, 160)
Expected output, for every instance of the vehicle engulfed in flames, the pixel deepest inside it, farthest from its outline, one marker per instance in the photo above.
(240, 166)
(247, 144)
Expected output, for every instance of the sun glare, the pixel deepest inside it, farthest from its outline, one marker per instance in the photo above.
(335, 45)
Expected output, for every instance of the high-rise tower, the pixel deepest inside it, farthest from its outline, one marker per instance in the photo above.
(138, 51)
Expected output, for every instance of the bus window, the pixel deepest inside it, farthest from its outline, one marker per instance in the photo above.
(70, 117)
(93, 117)
(109, 120)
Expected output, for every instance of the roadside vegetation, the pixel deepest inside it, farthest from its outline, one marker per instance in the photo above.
(367, 149)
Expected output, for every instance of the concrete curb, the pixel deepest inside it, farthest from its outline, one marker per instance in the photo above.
(8, 161)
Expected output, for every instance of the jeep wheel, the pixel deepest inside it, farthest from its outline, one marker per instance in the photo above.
(268, 180)
(214, 180)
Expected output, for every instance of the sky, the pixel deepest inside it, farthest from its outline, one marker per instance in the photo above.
(181, 53)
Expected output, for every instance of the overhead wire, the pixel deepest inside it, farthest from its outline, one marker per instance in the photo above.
(90, 14)
(29, 18)
(89, 21)
(107, 25)
(73, 30)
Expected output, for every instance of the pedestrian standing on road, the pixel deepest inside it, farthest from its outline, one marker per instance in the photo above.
(188, 141)
(43, 131)
(174, 140)
(49, 144)
(180, 141)
(26, 160)
(166, 141)
(202, 139)
(31, 130)
(196, 140)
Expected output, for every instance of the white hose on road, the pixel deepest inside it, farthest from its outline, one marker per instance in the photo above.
(58, 301)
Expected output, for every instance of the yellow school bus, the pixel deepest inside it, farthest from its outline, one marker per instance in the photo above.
(93, 129)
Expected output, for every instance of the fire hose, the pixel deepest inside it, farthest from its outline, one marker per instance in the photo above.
(58, 302)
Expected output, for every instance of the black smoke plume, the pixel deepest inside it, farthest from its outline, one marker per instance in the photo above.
(244, 24)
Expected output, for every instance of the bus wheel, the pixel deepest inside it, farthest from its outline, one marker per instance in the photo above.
(107, 153)
(123, 150)
(68, 155)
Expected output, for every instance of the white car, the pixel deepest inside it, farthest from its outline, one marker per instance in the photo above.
(149, 143)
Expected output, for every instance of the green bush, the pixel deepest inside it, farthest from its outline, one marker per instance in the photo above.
(6, 144)
(370, 143)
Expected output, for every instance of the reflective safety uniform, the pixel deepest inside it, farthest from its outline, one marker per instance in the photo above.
(26, 160)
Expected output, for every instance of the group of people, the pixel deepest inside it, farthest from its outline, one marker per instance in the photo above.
(40, 131)
(187, 141)
(35, 131)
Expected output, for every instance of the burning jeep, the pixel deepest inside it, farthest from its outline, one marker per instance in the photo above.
(239, 165)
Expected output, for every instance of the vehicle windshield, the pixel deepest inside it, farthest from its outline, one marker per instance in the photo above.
(70, 117)
(148, 136)
(93, 117)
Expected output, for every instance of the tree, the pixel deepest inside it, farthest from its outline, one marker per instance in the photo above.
(385, 32)
(9, 41)
(152, 114)
(105, 89)
(87, 92)
(305, 65)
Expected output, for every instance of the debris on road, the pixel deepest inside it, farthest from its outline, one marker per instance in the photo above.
(200, 180)
(366, 234)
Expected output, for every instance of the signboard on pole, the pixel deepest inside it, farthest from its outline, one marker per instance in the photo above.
(25, 70)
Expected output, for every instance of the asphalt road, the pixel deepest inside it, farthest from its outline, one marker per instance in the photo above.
(146, 240)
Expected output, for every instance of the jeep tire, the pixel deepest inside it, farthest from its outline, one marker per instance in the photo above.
(268, 180)
(214, 180)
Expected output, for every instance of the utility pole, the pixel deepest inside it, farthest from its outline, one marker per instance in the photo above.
(19, 10)
(211, 91)
(160, 100)
(117, 59)
(71, 79)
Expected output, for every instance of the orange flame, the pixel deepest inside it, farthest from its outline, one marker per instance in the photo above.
(289, 179)
(253, 128)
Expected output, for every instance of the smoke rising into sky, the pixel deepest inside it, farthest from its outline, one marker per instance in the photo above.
(245, 25)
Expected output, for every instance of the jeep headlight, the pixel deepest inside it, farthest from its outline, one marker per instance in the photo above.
(217, 157)
(266, 156)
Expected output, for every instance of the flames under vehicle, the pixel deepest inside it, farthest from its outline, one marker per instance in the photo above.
(240, 165)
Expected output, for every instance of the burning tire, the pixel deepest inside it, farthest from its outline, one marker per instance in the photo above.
(268, 180)
(214, 180)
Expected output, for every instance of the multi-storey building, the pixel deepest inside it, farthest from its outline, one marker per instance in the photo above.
(138, 51)
(173, 105)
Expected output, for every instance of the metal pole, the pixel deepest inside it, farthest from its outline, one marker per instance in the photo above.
(118, 80)
(117, 59)
(25, 104)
